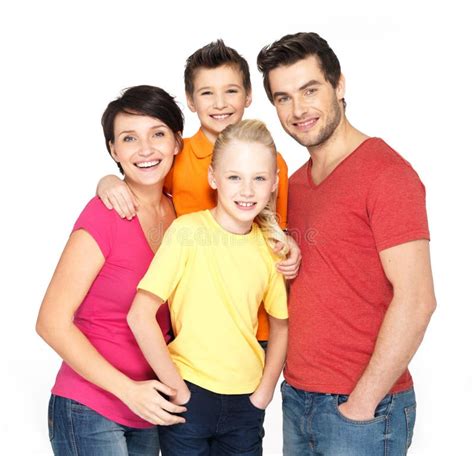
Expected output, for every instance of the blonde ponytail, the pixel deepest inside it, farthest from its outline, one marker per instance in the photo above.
(255, 131)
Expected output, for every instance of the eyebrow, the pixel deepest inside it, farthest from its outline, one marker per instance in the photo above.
(228, 86)
(303, 87)
(133, 131)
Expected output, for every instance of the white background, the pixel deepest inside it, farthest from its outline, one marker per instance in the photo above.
(409, 80)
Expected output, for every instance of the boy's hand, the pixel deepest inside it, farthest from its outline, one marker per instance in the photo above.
(289, 267)
(115, 194)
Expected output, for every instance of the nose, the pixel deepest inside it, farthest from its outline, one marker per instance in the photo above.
(299, 107)
(247, 189)
(146, 148)
(220, 101)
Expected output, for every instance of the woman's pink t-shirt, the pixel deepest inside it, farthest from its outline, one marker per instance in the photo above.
(102, 316)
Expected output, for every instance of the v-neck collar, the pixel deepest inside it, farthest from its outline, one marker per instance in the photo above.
(335, 170)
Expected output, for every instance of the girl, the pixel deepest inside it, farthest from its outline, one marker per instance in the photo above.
(106, 397)
(215, 267)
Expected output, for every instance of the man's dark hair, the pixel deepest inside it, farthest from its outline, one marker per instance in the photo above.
(214, 55)
(143, 100)
(292, 48)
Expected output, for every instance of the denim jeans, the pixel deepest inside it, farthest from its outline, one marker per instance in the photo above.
(76, 430)
(216, 424)
(313, 425)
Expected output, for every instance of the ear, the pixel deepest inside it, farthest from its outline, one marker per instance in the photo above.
(178, 143)
(112, 152)
(341, 87)
(248, 98)
(190, 102)
(277, 181)
(211, 179)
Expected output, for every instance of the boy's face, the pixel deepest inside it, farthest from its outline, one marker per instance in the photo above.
(219, 98)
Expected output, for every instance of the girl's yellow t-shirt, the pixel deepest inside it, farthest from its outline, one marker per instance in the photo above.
(214, 282)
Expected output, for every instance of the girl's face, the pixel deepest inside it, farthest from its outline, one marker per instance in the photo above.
(144, 146)
(245, 176)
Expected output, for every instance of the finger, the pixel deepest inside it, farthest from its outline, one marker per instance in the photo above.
(107, 203)
(161, 387)
(166, 419)
(117, 206)
(126, 205)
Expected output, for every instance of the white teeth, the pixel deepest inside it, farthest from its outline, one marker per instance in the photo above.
(148, 164)
(220, 116)
(244, 204)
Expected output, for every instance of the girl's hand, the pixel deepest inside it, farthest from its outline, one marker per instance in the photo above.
(182, 396)
(115, 194)
(144, 399)
(260, 399)
(290, 267)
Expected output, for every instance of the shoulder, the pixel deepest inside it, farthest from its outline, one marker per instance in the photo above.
(96, 211)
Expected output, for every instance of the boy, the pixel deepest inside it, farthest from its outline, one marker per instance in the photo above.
(218, 89)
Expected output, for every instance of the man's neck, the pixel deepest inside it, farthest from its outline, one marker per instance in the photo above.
(327, 156)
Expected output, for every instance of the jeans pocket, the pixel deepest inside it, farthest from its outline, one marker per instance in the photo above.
(51, 417)
(381, 411)
(410, 416)
(254, 406)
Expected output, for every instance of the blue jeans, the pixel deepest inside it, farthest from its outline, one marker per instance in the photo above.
(216, 424)
(313, 425)
(76, 430)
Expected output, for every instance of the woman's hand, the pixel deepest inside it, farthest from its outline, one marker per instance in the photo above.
(144, 399)
(115, 194)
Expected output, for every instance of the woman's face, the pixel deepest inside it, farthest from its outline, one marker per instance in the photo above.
(144, 146)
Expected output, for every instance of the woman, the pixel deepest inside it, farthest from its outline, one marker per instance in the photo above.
(106, 399)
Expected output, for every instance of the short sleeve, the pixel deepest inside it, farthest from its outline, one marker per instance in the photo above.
(100, 223)
(275, 300)
(168, 264)
(282, 196)
(396, 207)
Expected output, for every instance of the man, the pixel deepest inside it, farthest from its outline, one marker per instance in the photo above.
(364, 294)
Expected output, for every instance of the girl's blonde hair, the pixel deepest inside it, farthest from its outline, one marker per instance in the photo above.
(255, 131)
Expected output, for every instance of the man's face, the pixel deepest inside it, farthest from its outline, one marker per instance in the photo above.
(308, 106)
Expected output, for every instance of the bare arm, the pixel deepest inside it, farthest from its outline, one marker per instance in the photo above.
(291, 265)
(274, 362)
(78, 267)
(142, 321)
(115, 194)
(408, 268)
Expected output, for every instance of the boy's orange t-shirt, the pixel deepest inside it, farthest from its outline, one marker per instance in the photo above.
(187, 182)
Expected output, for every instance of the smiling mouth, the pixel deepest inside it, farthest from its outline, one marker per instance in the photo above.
(246, 205)
(148, 164)
(220, 116)
(306, 124)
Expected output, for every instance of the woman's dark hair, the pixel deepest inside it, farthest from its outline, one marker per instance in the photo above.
(143, 100)
(293, 48)
(215, 55)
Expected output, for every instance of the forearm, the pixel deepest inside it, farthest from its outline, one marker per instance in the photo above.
(399, 337)
(152, 344)
(274, 358)
(77, 351)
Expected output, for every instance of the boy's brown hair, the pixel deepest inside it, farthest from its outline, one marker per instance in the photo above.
(214, 55)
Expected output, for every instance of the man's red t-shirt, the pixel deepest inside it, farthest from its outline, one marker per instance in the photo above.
(373, 200)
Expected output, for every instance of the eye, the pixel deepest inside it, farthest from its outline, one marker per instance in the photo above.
(159, 134)
(261, 178)
(233, 177)
(311, 91)
(282, 99)
(128, 138)
(206, 92)
(232, 91)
